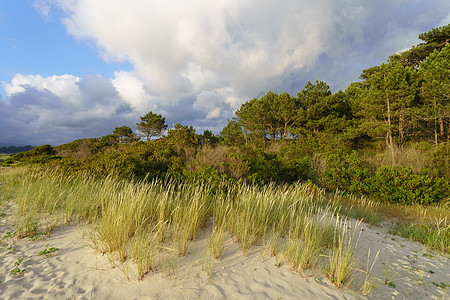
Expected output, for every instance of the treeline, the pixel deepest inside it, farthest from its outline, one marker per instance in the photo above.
(15, 149)
(403, 100)
(385, 137)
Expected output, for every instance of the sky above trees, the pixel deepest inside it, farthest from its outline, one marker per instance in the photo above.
(80, 68)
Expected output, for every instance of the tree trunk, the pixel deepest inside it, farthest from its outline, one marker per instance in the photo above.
(441, 127)
(435, 125)
(401, 126)
(285, 129)
(448, 132)
(389, 142)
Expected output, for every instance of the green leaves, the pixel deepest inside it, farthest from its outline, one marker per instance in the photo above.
(48, 252)
(383, 102)
(435, 90)
(151, 125)
(124, 134)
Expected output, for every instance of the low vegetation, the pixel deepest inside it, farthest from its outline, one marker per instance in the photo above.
(150, 223)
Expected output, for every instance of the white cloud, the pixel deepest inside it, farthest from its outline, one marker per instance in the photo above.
(197, 61)
(180, 48)
(131, 89)
(64, 86)
(62, 108)
(213, 114)
(43, 7)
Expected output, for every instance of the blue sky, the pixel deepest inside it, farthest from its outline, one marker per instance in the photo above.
(35, 44)
(78, 68)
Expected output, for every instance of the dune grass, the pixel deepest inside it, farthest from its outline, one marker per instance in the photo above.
(139, 221)
(424, 224)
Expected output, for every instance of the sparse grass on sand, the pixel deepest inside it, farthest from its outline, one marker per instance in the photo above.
(141, 221)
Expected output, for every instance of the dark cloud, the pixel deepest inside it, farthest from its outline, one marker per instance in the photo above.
(59, 109)
(183, 112)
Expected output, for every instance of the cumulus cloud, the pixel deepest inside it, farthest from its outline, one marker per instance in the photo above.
(197, 61)
(59, 109)
(181, 47)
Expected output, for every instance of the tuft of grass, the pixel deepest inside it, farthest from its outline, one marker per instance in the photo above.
(306, 242)
(341, 259)
(435, 235)
(144, 247)
(389, 274)
(369, 280)
(215, 242)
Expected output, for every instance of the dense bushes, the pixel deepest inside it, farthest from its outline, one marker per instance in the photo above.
(394, 184)
(345, 171)
(41, 154)
(440, 163)
(138, 160)
(402, 185)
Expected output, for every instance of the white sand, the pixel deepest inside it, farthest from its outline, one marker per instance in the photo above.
(76, 271)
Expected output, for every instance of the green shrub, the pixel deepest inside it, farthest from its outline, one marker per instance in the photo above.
(37, 151)
(204, 173)
(298, 169)
(402, 185)
(346, 172)
(38, 155)
(440, 162)
(264, 167)
(138, 160)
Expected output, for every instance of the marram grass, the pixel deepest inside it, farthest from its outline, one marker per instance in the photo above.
(137, 221)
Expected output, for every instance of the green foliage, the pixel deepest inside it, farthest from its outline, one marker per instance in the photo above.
(267, 167)
(183, 139)
(232, 133)
(151, 125)
(383, 103)
(436, 235)
(440, 162)
(204, 173)
(48, 252)
(347, 172)
(17, 271)
(138, 160)
(84, 147)
(281, 116)
(6, 160)
(298, 169)
(124, 134)
(38, 151)
(41, 154)
(208, 139)
(108, 140)
(434, 40)
(402, 185)
(435, 91)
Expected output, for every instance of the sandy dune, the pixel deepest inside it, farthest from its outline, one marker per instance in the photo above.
(76, 271)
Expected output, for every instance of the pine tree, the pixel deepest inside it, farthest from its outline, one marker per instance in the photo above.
(151, 125)
(435, 90)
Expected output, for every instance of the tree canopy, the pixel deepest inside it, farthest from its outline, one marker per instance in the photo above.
(124, 134)
(151, 125)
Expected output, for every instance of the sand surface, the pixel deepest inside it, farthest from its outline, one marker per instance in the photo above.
(77, 271)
